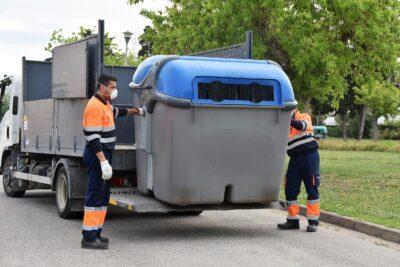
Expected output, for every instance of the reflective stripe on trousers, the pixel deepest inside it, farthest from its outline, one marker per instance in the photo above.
(313, 209)
(293, 210)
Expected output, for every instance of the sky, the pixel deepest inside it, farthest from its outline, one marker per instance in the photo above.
(26, 26)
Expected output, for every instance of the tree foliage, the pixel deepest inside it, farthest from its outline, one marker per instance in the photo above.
(371, 31)
(146, 46)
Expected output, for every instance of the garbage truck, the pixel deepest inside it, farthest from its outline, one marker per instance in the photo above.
(213, 136)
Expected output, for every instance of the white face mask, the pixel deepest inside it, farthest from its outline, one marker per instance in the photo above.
(113, 94)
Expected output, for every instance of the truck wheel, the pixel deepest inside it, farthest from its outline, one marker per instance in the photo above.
(9, 180)
(63, 201)
(185, 212)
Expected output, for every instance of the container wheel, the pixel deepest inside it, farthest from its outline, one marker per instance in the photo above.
(9, 180)
(185, 212)
(63, 201)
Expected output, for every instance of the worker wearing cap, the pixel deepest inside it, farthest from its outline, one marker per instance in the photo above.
(303, 166)
(99, 129)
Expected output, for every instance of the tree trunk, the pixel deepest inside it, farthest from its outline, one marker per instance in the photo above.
(307, 105)
(375, 129)
(362, 113)
(344, 118)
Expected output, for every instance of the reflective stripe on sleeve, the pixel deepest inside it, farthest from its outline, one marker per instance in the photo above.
(92, 137)
(295, 144)
(116, 112)
(304, 124)
(108, 129)
(108, 140)
(92, 129)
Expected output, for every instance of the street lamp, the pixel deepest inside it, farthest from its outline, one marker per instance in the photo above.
(127, 36)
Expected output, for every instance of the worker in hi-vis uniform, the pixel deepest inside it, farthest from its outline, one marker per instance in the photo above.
(99, 129)
(303, 166)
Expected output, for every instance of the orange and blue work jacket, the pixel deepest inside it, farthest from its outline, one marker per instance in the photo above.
(301, 135)
(98, 123)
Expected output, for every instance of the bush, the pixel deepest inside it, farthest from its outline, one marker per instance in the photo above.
(390, 130)
(352, 128)
(354, 124)
(334, 131)
(337, 144)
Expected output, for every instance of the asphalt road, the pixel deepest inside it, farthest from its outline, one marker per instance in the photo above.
(32, 234)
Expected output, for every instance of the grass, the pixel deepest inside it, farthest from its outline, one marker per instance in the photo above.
(362, 185)
(338, 144)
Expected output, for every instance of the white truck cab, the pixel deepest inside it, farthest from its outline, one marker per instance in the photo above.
(11, 92)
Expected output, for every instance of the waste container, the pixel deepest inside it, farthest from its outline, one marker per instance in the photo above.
(215, 130)
(320, 132)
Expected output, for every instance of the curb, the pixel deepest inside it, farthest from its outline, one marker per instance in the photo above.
(379, 231)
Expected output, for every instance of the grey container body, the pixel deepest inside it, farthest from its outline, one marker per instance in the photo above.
(212, 155)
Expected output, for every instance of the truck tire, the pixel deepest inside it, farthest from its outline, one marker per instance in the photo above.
(63, 200)
(8, 180)
(185, 212)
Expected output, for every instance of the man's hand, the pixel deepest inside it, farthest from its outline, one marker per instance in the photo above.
(106, 170)
(136, 111)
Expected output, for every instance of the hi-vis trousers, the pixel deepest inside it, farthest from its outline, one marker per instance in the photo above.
(97, 195)
(304, 168)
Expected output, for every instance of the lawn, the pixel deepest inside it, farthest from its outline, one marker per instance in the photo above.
(360, 184)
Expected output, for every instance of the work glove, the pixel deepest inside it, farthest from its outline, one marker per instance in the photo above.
(106, 170)
(141, 111)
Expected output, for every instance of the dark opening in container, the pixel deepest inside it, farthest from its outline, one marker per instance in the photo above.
(218, 91)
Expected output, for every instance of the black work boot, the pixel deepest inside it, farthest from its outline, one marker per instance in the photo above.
(96, 244)
(289, 225)
(103, 239)
(312, 226)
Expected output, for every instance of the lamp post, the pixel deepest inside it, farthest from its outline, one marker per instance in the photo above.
(127, 36)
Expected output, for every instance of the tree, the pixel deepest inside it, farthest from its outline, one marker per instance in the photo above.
(297, 34)
(113, 56)
(347, 107)
(370, 30)
(381, 98)
(146, 46)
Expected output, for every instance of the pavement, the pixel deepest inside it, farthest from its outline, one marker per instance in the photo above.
(32, 234)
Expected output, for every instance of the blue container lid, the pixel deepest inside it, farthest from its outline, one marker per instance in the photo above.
(182, 76)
